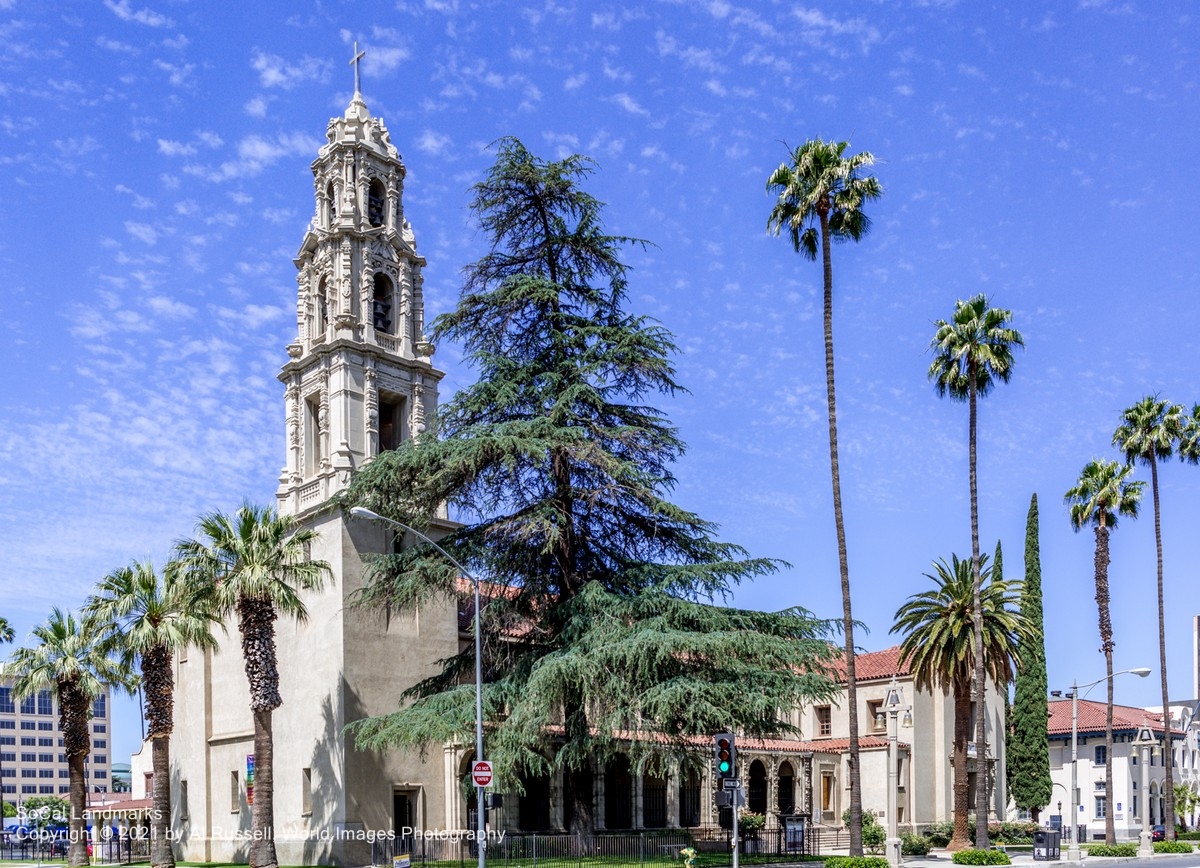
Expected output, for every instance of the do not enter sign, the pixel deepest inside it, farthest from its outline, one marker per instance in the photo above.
(481, 773)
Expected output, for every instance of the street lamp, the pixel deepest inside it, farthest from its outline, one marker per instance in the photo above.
(481, 842)
(1145, 740)
(892, 707)
(1140, 672)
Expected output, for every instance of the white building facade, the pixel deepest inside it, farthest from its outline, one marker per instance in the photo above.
(358, 382)
(1138, 774)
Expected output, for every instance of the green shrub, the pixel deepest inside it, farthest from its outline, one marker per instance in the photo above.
(1127, 849)
(874, 837)
(939, 834)
(1012, 833)
(981, 857)
(1172, 847)
(856, 862)
(913, 845)
(1189, 836)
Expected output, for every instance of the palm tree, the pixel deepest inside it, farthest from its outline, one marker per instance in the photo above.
(1148, 432)
(940, 647)
(6, 631)
(821, 192)
(69, 659)
(1104, 492)
(144, 618)
(971, 353)
(255, 564)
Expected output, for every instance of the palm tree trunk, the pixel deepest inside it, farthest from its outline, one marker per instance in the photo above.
(961, 837)
(256, 621)
(262, 812)
(159, 684)
(73, 720)
(981, 753)
(843, 563)
(1106, 646)
(161, 853)
(1168, 743)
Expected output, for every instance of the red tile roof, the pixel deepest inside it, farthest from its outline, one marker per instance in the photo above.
(1091, 718)
(874, 665)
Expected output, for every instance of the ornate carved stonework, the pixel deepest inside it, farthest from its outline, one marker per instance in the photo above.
(341, 367)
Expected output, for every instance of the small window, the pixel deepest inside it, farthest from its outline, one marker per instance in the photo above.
(376, 199)
(391, 423)
(381, 313)
(1101, 754)
(45, 702)
(100, 743)
(876, 719)
(6, 702)
(28, 704)
(824, 720)
(28, 725)
(99, 727)
(149, 784)
(235, 792)
(1101, 807)
(183, 800)
(312, 435)
(45, 726)
(1134, 758)
(306, 792)
(100, 706)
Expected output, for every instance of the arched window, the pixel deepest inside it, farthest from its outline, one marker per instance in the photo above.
(689, 800)
(618, 794)
(381, 313)
(376, 200)
(321, 309)
(330, 205)
(654, 801)
(756, 792)
(533, 811)
(786, 802)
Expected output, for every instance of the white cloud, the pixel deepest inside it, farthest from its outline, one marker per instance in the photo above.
(256, 107)
(819, 28)
(115, 46)
(630, 104)
(274, 71)
(170, 307)
(433, 143)
(254, 153)
(126, 12)
(177, 74)
(143, 232)
(575, 82)
(175, 149)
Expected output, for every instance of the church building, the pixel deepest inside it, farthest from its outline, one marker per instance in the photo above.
(358, 381)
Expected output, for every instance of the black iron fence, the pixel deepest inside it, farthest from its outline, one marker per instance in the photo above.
(570, 851)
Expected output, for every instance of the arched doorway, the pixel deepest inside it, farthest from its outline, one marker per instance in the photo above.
(689, 800)
(786, 800)
(618, 794)
(756, 792)
(654, 801)
(533, 806)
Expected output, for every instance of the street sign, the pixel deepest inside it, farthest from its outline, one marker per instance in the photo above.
(730, 784)
(481, 773)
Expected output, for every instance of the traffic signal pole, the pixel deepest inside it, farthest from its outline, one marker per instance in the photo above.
(725, 765)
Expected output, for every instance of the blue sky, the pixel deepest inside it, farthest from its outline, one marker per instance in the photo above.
(155, 166)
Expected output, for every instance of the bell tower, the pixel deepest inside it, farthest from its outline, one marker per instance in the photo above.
(359, 380)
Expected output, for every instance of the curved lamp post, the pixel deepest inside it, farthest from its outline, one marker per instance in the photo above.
(1140, 672)
(481, 840)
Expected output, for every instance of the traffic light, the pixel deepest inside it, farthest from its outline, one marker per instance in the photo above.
(725, 755)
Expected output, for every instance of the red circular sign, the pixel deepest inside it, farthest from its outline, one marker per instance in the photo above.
(481, 773)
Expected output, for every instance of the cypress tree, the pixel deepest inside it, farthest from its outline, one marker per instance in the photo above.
(600, 637)
(1028, 751)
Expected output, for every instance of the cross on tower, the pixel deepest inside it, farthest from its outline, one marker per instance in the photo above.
(358, 55)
